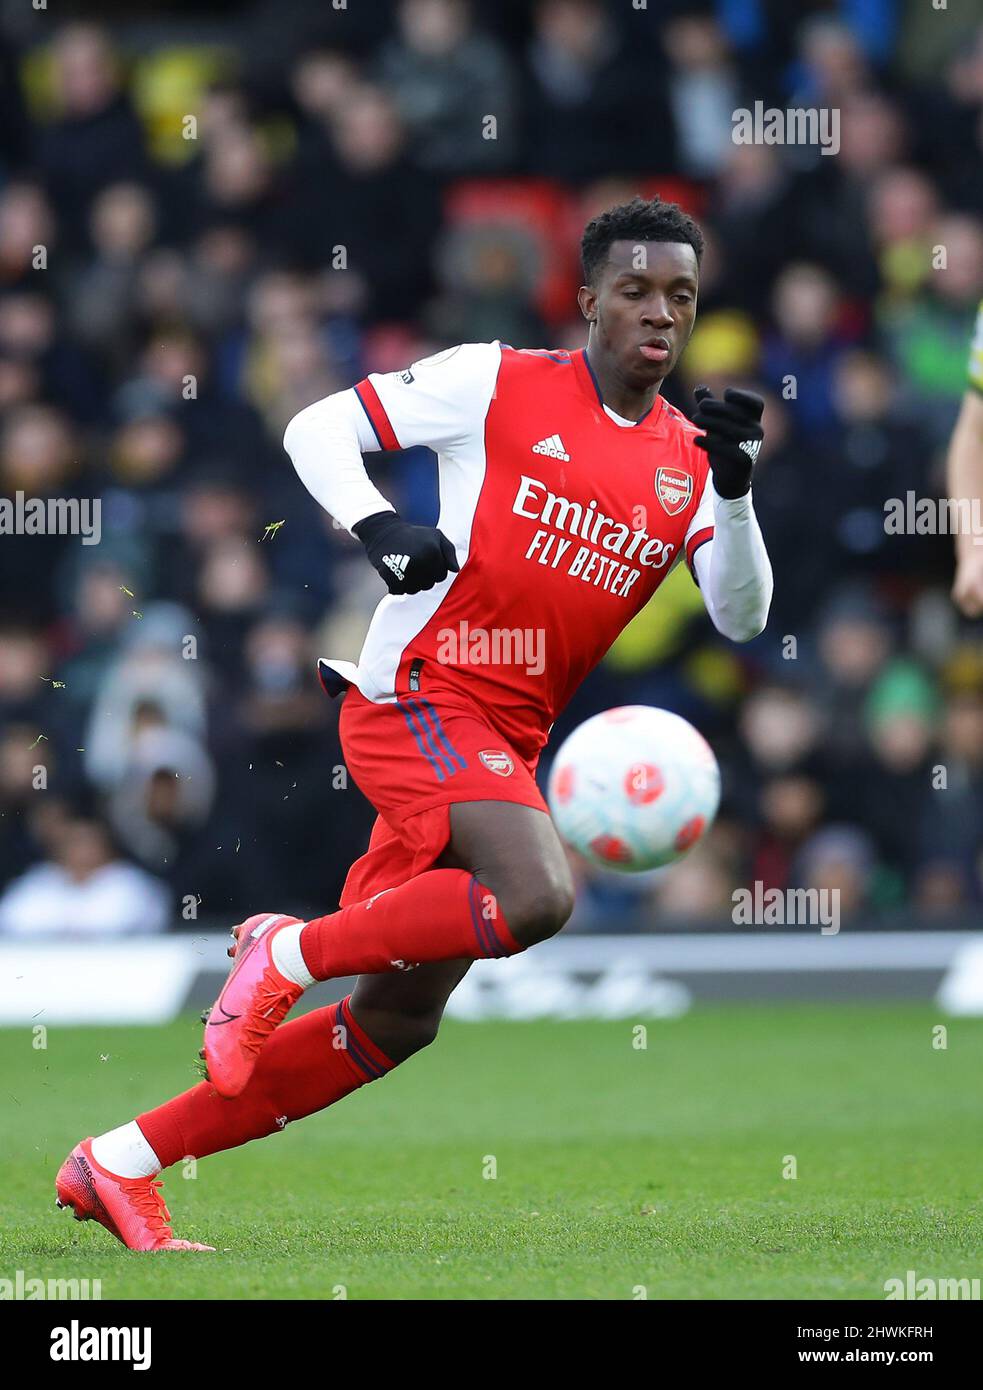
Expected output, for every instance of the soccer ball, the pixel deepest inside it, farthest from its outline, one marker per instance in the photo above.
(634, 788)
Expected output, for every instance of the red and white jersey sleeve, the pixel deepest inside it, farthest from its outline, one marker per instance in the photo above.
(700, 528)
(440, 401)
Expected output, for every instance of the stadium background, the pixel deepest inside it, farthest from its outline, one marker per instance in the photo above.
(340, 210)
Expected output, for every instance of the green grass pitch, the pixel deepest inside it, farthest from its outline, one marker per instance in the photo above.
(618, 1169)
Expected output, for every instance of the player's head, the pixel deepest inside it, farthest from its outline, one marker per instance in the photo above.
(641, 274)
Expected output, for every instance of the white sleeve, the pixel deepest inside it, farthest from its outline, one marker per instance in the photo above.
(733, 570)
(325, 442)
(440, 401)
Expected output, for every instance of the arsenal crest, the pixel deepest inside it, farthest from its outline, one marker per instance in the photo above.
(674, 488)
(497, 761)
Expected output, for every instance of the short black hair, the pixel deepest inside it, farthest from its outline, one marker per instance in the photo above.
(639, 220)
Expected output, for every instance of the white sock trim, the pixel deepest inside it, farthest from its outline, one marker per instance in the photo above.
(126, 1153)
(288, 957)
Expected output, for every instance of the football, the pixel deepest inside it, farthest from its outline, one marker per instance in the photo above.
(634, 788)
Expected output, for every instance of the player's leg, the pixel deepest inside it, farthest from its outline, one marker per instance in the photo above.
(524, 896)
(422, 765)
(515, 851)
(402, 1012)
(313, 1061)
(513, 871)
(520, 859)
(308, 1065)
(389, 1016)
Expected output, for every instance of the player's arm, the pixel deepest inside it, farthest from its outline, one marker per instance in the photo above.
(438, 402)
(724, 542)
(964, 479)
(326, 442)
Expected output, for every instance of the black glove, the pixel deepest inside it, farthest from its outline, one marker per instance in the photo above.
(409, 558)
(733, 436)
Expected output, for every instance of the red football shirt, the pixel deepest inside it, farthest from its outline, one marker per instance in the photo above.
(564, 520)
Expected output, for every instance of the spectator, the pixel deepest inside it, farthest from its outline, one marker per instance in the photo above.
(85, 890)
(103, 303)
(453, 88)
(799, 360)
(590, 109)
(704, 92)
(94, 138)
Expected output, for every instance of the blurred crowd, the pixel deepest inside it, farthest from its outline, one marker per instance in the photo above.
(209, 219)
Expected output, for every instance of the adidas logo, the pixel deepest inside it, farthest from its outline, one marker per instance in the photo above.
(397, 563)
(552, 448)
(751, 447)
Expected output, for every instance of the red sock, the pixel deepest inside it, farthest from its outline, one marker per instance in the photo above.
(440, 915)
(307, 1064)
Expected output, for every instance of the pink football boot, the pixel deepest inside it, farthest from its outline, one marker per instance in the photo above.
(254, 1000)
(131, 1209)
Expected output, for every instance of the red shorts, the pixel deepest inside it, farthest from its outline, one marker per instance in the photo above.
(413, 759)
